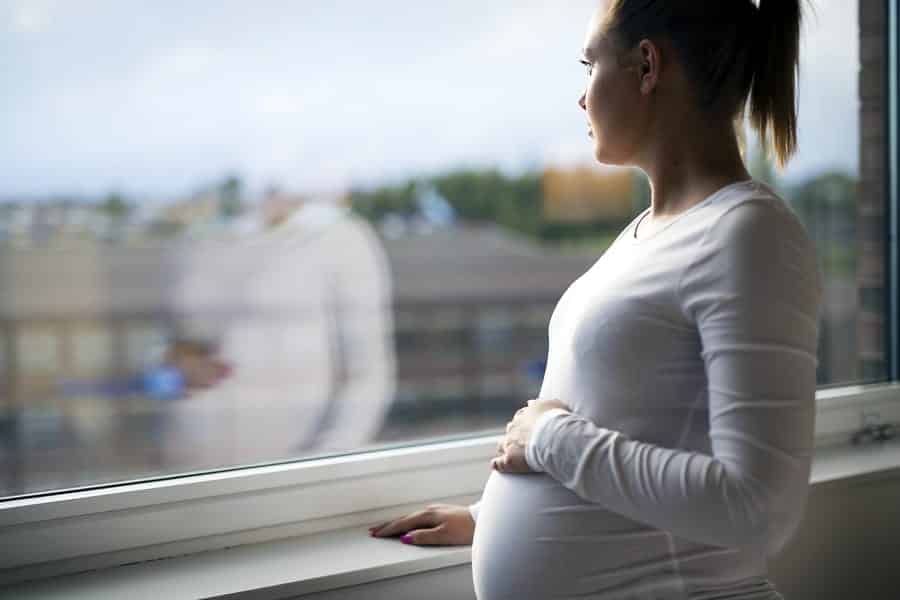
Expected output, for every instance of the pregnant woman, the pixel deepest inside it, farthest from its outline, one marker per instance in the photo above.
(669, 451)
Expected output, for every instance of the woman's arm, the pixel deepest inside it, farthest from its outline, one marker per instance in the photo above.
(754, 292)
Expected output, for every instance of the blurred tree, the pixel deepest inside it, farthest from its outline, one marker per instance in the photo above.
(116, 207)
(761, 165)
(831, 195)
(399, 199)
(488, 196)
(117, 211)
(827, 206)
(230, 197)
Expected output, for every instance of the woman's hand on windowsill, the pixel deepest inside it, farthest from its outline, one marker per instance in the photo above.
(435, 525)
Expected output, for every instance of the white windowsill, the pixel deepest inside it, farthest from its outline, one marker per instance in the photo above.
(330, 560)
(281, 569)
(81, 531)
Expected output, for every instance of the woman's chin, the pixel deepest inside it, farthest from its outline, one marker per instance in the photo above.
(604, 157)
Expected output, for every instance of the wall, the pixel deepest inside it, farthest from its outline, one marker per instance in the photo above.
(848, 547)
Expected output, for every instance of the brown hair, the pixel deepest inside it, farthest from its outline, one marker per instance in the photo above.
(738, 55)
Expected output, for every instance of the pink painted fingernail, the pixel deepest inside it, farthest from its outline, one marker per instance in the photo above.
(406, 539)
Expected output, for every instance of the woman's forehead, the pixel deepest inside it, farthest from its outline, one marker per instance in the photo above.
(595, 43)
(597, 27)
(601, 15)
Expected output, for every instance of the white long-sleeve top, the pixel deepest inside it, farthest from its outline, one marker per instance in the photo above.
(687, 358)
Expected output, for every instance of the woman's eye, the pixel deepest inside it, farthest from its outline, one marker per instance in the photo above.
(588, 66)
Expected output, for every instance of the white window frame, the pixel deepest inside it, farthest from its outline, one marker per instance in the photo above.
(82, 530)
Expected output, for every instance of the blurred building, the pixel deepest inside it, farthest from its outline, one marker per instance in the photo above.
(63, 223)
(198, 210)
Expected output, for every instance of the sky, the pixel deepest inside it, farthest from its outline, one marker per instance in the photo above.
(155, 99)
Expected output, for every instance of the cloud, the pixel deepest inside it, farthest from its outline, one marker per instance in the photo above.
(279, 103)
(30, 16)
(186, 94)
(186, 60)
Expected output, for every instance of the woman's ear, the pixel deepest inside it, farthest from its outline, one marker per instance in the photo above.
(648, 66)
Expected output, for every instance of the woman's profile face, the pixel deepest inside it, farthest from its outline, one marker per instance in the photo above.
(615, 107)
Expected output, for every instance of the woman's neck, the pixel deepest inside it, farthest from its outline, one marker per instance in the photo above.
(688, 163)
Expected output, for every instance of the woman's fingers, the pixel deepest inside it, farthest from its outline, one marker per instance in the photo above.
(426, 537)
(444, 524)
(403, 524)
(379, 526)
(391, 528)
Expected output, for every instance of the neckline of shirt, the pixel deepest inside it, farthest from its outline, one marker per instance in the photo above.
(632, 228)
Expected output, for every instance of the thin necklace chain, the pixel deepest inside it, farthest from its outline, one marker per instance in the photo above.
(638, 224)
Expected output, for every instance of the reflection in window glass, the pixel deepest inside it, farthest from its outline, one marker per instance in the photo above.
(37, 352)
(247, 234)
(91, 350)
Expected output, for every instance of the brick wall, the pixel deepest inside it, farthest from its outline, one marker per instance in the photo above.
(871, 328)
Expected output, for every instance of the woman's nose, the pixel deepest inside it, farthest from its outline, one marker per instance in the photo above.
(581, 102)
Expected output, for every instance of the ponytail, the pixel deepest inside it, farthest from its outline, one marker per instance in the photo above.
(741, 58)
(775, 67)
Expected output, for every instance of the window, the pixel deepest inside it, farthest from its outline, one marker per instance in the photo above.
(227, 235)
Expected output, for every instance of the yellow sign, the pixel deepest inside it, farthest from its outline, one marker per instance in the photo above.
(584, 194)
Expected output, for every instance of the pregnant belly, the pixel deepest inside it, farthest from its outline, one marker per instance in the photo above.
(535, 539)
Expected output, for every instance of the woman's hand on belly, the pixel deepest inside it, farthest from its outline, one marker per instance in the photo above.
(436, 525)
(511, 449)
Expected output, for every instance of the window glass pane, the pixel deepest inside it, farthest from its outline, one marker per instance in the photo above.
(835, 183)
(234, 233)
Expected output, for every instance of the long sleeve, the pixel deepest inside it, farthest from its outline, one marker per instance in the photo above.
(361, 336)
(753, 291)
(203, 277)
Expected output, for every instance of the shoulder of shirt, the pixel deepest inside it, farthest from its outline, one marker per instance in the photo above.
(754, 208)
(752, 222)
